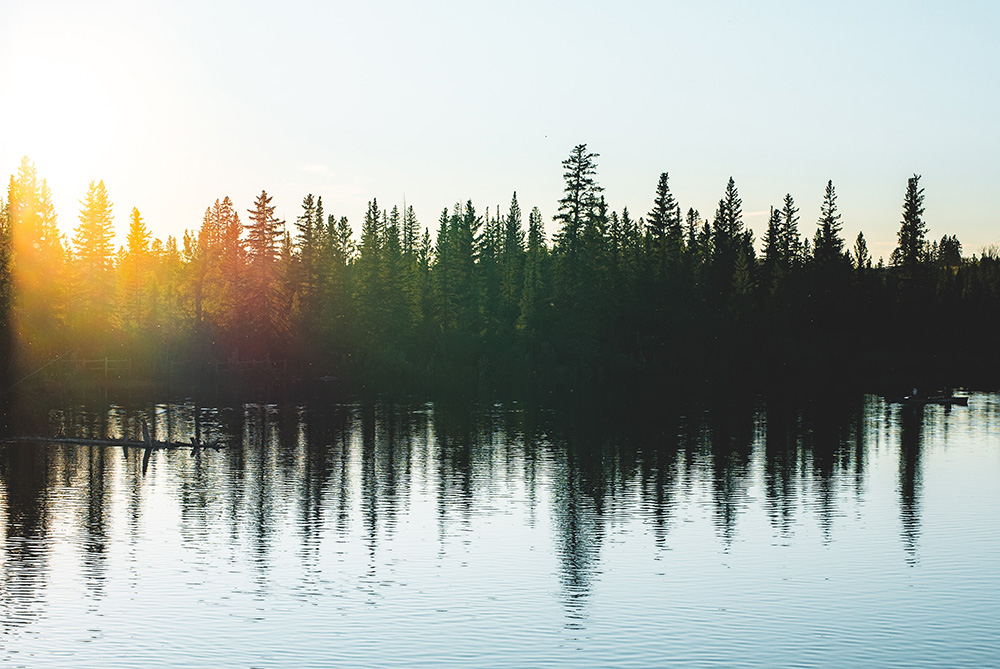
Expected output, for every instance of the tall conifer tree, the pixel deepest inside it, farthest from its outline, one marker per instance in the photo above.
(828, 246)
(266, 307)
(912, 230)
(92, 262)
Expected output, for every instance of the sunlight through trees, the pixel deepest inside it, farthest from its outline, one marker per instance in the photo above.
(612, 300)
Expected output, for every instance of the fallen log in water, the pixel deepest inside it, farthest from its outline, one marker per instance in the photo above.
(123, 443)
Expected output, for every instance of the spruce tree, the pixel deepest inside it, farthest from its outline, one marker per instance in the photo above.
(92, 263)
(729, 240)
(93, 238)
(533, 291)
(232, 268)
(511, 265)
(411, 228)
(445, 309)
(466, 233)
(266, 316)
(663, 220)
(791, 250)
(576, 211)
(773, 239)
(337, 319)
(949, 251)
(396, 314)
(579, 196)
(306, 267)
(862, 258)
(912, 230)
(369, 270)
(39, 291)
(134, 268)
(828, 246)
(6, 292)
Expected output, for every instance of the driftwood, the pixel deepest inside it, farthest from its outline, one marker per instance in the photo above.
(147, 444)
(124, 443)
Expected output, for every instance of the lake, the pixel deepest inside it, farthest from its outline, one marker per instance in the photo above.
(754, 533)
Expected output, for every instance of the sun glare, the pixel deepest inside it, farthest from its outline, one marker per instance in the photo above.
(64, 114)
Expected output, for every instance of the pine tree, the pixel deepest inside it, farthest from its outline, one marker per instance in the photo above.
(828, 246)
(93, 237)
(424, 309)
(370, 289)
(465, 249)
(533, 291)
(232, 270)
(862, 259)
(511, 265)
(488, 273)
(695, 250)
(414, 279)
(134, 269)
(197, 253)
(445, 309)
(579, 196)
(266, 307)
(92, 264)
(664, 205)
(949, 251)
(727, 227)
(791, 249)
(396, 312)
(37, 260)
(411, 229)
(6, 291)
(665, 226)
(910, 251)
(773, 240)
(337, 316)
(576, 211)
(631, 252)
(216, 278)
(306, 277)
(729, 240)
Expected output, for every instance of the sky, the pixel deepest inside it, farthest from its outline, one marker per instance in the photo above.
(177, 103)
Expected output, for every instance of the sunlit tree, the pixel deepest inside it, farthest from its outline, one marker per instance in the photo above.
(92, 262)
(265, 308)
(38, 266)
(135, 275)
(6, 290)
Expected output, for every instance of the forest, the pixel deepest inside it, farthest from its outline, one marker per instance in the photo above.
(657, 303)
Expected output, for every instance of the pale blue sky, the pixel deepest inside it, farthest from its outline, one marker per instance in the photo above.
(177, 103)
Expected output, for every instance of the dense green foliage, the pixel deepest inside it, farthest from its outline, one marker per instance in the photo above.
(611, 302)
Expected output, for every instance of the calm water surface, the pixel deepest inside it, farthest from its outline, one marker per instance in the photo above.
(749, 535)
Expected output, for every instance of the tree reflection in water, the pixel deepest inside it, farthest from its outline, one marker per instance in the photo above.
(322, 473)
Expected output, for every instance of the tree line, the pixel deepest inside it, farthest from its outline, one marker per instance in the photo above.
(612, 300)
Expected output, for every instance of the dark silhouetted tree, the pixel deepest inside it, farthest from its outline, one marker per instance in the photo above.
(912, 230)
(828, 246)
(862, 258)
